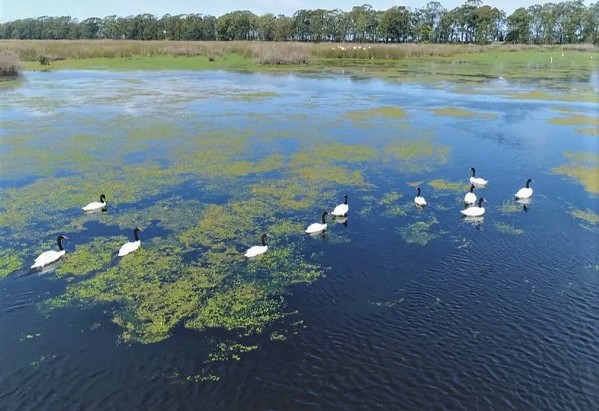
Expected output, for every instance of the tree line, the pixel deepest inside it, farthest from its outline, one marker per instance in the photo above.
(472, 22)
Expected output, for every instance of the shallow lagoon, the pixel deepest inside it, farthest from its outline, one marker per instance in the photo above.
(400, 307)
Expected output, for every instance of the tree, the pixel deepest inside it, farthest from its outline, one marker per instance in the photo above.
(519, 26)
(395, 24)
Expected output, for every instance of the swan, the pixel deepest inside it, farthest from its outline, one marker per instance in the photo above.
(315, 228)
(477, 180)
(48, 257)
(525, 192)
(342, 209)
(475, 211)
(131, 245)
(470, 197)
(419, 200)
(96, 205)
(257, 249)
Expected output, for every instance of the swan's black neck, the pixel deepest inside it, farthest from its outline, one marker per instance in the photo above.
(135, 235)
(418, 192)
(345, 202)
(480, 201)
(59, 241)
(323, 216)
(473, 171)
(472, 188)
(263, 239)
(528, 183)
(102, 198)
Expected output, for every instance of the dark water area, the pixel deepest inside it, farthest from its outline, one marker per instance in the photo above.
(500, 313)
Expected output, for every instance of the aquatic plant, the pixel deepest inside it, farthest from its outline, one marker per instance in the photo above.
(584, 168)
(89, 257)
(508, 229)
(10, 261)
(445, 185)
(417, 156)
(381, 112)
(588, 216)
(575, 120)
(461, 112)
(510, 206)
(419, 232)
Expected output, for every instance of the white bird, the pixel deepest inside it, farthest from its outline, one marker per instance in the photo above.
(419, 200)
(342, 209)
(96, 205)
(525, 192)
(470, 197)
(131, 245)
(48, 257)
(315, 228)
(474, 211)
(257, 249)
(477, 181)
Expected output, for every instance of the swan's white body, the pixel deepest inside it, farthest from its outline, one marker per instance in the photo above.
(477, 181)
(47, 257)
(316, 228)
(96, 205)
(256, 250)
(420, 201)
(129, 247)
(340, 210)
(525, 192)
(473, 211)
(470, 198)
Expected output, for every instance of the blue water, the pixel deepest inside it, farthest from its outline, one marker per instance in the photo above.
(474, 319)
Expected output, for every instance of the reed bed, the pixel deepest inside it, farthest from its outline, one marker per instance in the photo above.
(10, 65)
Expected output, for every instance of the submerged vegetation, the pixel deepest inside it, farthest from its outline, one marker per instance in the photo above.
(583, 168)
(589, 216)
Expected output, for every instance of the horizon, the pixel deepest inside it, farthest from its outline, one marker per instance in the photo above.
(13, 10)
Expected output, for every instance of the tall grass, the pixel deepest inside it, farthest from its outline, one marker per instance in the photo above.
(262, 52)
(10, 65)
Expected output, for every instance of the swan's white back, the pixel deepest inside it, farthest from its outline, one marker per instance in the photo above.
(420, 201)
(473, 211)
(47, 257)
(256, 250)
(524, 193)
(478, 181)
(470, 198)
(340, 210)
(94, 206)
(129, 247)
(316, 228)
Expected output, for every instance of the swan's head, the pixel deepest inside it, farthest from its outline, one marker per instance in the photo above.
(136, 230)
(528, 182)
(263, 238)
(102, 198)
(473, 170)
(62, 237)
(480, 201)
(345, 198)
(472, 188)
(418, 192)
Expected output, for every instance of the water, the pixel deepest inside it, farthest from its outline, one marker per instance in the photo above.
(456, 315)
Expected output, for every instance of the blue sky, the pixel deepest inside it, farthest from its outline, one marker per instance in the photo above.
(18, 9)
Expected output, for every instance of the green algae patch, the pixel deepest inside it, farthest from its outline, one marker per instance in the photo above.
(588, 131)
(576, 120)
(445, 185)
(10, 261)
(417, 156)
(461, 113)
(383, 112)
(322, 154)
(584, 169)
(390, 198)
(588, 216)
(508, 207)
(255, 96)
(90, 257)
(419, 232)
(508, 229)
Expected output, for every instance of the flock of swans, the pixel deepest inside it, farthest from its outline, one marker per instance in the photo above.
(474, 209)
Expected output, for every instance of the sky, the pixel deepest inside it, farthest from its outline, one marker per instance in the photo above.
(81, 9)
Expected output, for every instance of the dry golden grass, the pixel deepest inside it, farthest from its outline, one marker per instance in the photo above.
(10, 65)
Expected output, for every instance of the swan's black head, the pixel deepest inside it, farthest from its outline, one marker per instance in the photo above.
(263, 238)
(135, 231)
(323, 216)
(418, 192)
(480, 201)
(472, 188)
(102, 198)
(528, 182)
(473, 171)
(345, 197)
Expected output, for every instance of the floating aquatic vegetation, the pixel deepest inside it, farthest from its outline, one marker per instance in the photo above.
(460, 112)
(510, 207)
(10, 261)
(415, 184)
(335, 152)
(390, 198)
(508, 229)
(382, 112)
(588, 216)
(584, 169)
(590, 131)
(229, 350)
(576, 120)
(419, 232)
(255, 95)
(445, 185)
(90, 257)
(416, 156)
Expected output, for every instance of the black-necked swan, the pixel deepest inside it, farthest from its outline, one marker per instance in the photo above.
(525, 192)
(315, 228)
(95, 205)
(257, 249)
(342, 209)
(48, 257)
(470, 197)
(131, 245)
(477, 180)
(419, 200)
(475, 211)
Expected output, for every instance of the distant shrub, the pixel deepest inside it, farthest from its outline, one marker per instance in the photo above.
(10, 65)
